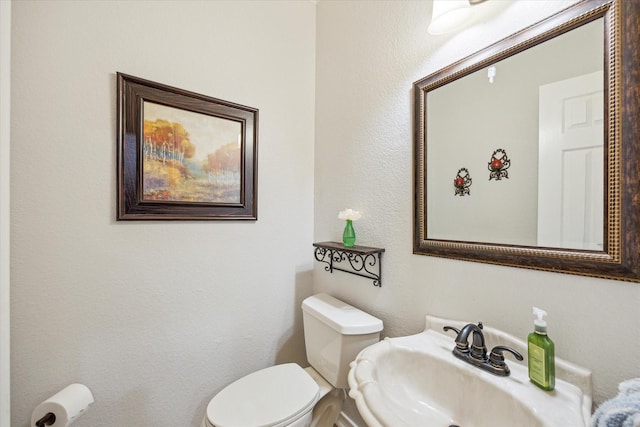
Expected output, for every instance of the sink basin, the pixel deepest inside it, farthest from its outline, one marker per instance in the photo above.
(416, 381)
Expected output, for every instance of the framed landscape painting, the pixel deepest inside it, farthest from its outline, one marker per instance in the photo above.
(183, 155)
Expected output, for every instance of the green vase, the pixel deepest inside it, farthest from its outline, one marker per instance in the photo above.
(349, 234)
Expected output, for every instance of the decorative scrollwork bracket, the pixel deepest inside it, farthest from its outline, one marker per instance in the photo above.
(498, 165)
(462, 182)
(362, 261)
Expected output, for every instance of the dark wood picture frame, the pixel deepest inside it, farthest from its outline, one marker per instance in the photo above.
(167, 168)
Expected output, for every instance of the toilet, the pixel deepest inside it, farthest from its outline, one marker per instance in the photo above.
(287, 395)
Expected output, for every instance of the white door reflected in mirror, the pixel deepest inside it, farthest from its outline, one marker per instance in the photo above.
(571, 163)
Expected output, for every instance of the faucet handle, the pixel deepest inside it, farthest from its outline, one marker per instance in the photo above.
(496, 358)
(451, 328)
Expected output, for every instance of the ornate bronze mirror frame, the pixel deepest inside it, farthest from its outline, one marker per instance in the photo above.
(619, 255)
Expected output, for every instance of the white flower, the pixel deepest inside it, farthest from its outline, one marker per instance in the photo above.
(349, 214)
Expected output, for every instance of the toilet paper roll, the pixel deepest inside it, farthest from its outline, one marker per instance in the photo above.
(67, 405)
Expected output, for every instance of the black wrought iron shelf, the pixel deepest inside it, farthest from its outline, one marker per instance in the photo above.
(362, 261)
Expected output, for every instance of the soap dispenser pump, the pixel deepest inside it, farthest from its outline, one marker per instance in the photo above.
(542, 370)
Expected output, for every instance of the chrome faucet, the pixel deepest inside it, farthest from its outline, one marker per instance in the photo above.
(477, 354)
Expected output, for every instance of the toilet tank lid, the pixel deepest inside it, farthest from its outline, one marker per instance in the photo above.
(342, 317)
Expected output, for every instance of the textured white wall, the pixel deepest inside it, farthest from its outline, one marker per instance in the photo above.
(368, 56)
(155, 317)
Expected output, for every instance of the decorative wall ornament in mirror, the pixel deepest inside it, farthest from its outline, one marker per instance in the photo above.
(563, 98)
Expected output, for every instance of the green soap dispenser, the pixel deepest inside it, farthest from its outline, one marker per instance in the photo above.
(542, 367)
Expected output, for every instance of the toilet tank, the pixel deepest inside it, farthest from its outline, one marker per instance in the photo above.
(334, 333)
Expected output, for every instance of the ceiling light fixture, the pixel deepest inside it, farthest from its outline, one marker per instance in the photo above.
(449, 15)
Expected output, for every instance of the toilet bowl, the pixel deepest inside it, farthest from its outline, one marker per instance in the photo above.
(287, 395)
(282, 395)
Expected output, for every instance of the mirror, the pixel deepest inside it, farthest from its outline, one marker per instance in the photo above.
(526, 101)
(525, 152)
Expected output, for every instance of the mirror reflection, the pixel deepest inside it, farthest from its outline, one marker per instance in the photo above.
(542, 110)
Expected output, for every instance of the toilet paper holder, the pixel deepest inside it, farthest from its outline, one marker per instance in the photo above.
(62, 408)
(47, 420)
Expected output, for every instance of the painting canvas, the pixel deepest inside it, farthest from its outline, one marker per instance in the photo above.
(183, 155)
(190, 157)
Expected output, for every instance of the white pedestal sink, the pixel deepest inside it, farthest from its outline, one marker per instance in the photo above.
(415, 381)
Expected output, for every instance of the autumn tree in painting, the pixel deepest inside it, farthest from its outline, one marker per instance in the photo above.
(166, 142)
(225, 161)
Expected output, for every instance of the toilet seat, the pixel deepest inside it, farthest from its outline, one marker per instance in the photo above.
(272, 397)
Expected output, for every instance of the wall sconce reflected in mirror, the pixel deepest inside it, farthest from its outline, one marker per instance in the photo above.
(462, 182)
(498, 165)
(449, 15)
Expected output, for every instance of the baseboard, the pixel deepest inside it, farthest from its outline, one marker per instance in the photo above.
(344, 421)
